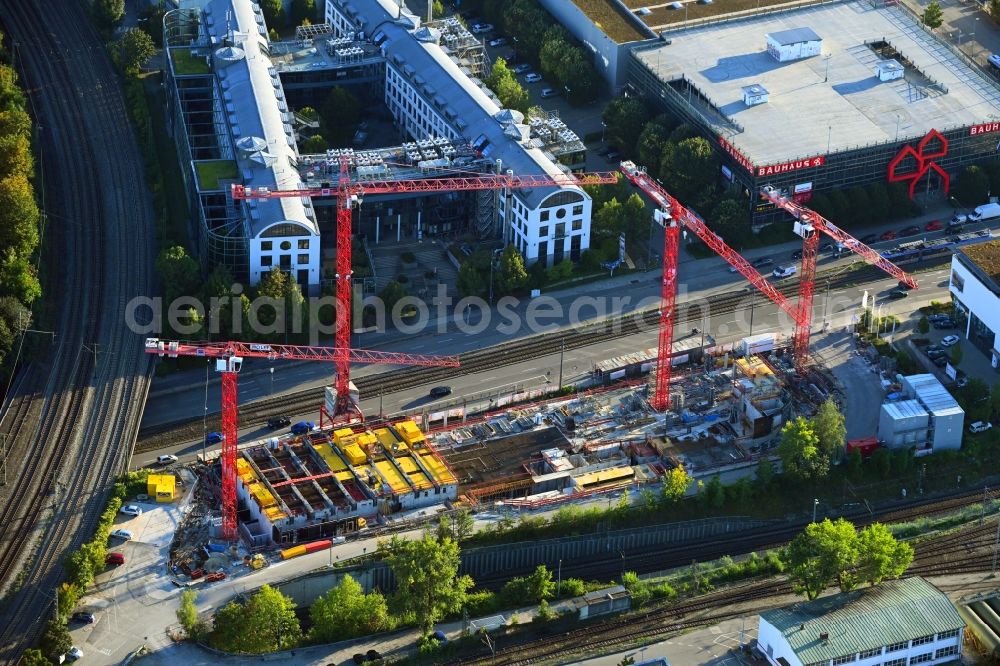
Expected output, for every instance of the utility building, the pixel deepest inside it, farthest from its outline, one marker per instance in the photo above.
(795, 44)
(928, 418)
(975, 290)
(897, 623)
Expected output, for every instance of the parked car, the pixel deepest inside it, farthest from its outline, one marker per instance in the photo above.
(549, 92)
(934, 355)
(912, 230)
(762, 262)
(932, 348)
(905, 287)
(889, 235)
(116, 559)
(480, 28)
(303, 428)
(82, 617)
(896, 294)
(980, 426)
(521, 68)
(613, 157)
(131, 510)
(949, 340)
(276, 422)
(945, 324)
(440, 637)
(499, 41)
(941, 361)
(994, 59)
(937, 317)
(214, 437)
(934, 225)
(215, 577)
(74, 653)
(533, 77)
(797, 254)
(166, 459)
(440, 391)
(870, 238)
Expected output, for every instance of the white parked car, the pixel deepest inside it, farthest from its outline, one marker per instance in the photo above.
(166, 460)
(480, 28)
(949, 340)
(533, 78)
(131, 510)
(980, 426)
(499, 41)
(74, 653)
(122, 534)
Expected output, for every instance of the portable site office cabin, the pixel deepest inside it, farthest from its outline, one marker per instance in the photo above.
(794, 44)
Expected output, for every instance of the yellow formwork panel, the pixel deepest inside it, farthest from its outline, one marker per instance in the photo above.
(355, 454)
(605, 475)
(442, 475)
(386, 438)
(342, 433)
(344, 476)
(397, 483)
(333, 461)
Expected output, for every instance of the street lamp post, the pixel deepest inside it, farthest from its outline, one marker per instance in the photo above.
(815, 505)
(271, 369)
(492, 262)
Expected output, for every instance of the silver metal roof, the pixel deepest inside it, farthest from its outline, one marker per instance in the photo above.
(904, 409)
(794, 36)
(473, 108)
(257, 113)
(932, 395)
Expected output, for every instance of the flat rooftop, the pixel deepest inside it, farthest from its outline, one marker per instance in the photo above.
(986, 256)
(828, 103)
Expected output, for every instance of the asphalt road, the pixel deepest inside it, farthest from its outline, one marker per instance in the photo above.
(838, 307)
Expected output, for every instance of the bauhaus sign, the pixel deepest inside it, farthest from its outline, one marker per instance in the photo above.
(771, 169)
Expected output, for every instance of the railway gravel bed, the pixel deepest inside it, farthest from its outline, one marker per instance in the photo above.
(401, 379)
(93, 383)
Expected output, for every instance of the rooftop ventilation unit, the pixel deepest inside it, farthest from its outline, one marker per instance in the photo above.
(754, 94)
(889, 70)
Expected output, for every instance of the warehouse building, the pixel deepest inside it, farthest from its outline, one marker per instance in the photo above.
(231, 123)
(975, 292)
(854, 95)
(896, 623)
(928, 418)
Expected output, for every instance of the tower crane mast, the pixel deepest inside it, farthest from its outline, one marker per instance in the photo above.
(350, 192)
(229, 361)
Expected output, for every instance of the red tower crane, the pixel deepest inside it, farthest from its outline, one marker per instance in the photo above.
(229, 359)
(809, 224)
(673, 216)
(350, 192)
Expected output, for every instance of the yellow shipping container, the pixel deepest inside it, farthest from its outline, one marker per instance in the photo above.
(294, 551)
(341, 434)
(355, 455)
(161, 486)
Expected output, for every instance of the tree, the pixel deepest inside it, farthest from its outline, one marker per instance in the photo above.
(995, 401)
(345, 611)
(799, 450)
(15, 156)
(713, 495)
(303, 10)
(55, 641)
(625, 118)
(179, 273)
(187, 615)
(18, 215)
(861, 206)
(274, 14)
(561, 271)
(340, 116)
(823, 552)
(512, 274)
(649, 145)
(923, 325)
(882, 462)
(829, 426)
(765, 473)
(854, 464)
(314, 144)
(540, 584)
(956, 355)
(265, 623)
(132, 50)
(469, 280)
(691, 169)
(462, 524)
(675, 485)
(67, 595)
(151, 21)
(878, 196)
(15, 122)
(392, 293)
(506, 86)
(995, 10)
(108, 14)
(34, 657)
(730, 220)
(427, 580)
(438, 9)
(973, 186)
(880, 556)
(932, 17)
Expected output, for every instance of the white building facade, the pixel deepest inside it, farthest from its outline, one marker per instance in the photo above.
(429, 95)
(976, 295)
(896, 623)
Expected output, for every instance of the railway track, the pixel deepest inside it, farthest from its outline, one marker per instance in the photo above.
(97, 376)
(964, 551)
(401, 379)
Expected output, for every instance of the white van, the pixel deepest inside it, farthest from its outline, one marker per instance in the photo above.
(783, 271)
(985, 212)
